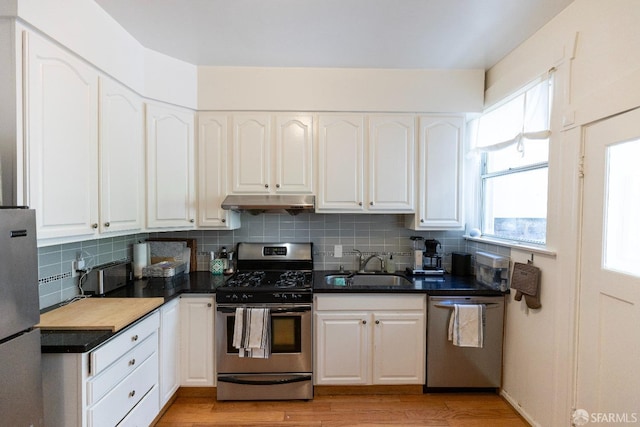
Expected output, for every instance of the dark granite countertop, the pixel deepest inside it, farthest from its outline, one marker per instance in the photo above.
(202, 282)
(431, 285)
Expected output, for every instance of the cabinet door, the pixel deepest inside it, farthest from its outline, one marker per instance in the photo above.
(170, 167)
(121, 153)
(293, 154)
(250, 152)
(61, 115)
(169, 350)
(212, 172)
(340, 163)
(342, 348)
(439, 187)
(399, 348)
(391, 163)
(196, 341)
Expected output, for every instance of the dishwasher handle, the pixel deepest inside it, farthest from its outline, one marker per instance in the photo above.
(450, 305)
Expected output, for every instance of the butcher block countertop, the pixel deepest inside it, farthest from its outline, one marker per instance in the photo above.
(112, 314)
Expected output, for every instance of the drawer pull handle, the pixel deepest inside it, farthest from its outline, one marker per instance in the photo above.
(132, 362)
(132, 393)
(134, 338)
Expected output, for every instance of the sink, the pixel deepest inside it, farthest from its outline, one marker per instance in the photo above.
(364, 280)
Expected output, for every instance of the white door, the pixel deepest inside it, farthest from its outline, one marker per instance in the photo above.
(440, 175)
(294, 154)
(251, 154)
(608, 372)
(170, 167)
(399, 343)
(196, 341)
(212, 172)
(340, 163)
(391, 163)
(121, 156)
(61, 115)
(342, 348)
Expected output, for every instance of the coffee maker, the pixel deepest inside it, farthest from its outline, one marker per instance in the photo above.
(427, 261)
(432, 258)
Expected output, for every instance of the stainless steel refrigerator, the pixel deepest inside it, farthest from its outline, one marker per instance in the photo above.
(20, 370)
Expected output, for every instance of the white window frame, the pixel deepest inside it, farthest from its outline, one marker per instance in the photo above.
(484, 175)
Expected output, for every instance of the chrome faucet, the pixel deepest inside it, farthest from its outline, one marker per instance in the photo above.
(362, 262)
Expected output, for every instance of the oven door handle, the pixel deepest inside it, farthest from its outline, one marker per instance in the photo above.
(288, 380)
(272, 311)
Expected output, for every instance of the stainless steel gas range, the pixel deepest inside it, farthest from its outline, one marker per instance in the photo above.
(275, 281)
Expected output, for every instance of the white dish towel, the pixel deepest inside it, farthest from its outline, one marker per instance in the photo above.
(252, 332)
(466, 325)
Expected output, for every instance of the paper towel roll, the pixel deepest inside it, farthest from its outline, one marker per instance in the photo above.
(141, 258)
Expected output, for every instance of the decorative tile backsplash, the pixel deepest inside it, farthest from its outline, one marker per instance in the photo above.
(383, 234)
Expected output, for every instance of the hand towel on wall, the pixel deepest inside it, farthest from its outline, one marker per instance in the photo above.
(252, 332)
(525, 279)
(466, 325)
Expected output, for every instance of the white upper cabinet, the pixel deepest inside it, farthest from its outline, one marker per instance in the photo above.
(121, 153)
(250, 153)
(271, 153)
(170, 167)
(61, 113)
(340, 163)
(212, 172)
(440, 174)
(387, 149)
(293, 155)
(391, 163)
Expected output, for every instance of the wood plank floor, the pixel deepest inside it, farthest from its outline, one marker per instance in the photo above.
(436, 409)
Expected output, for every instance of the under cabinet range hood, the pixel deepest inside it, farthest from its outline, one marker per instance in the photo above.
(257, 204)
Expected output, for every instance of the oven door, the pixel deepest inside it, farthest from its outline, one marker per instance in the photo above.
(290, 341)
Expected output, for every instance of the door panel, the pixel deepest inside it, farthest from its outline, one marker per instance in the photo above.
(609, 301)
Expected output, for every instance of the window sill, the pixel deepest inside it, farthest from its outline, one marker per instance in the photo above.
(529, 247)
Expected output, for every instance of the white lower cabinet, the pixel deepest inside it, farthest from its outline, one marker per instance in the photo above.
(196, 341)
(114, 384)
(169, 380)
(367, 339)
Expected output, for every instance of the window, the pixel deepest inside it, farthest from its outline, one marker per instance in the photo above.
(513, 140)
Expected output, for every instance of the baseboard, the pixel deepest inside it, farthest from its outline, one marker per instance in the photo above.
(327, 390)
(209, 392)
(516, 407)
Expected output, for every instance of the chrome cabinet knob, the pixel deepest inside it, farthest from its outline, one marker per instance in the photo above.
(359, 203)
(364, 322)
(377, 322)
(371, 203)
(224, 220)
(107, 224)
(192, 220)
(266, 186)
(277, 185)
(94, 225)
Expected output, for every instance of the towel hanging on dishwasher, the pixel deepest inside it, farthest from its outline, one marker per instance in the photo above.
(466, 325)
(252, 332)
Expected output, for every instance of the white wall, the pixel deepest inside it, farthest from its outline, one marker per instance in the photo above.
(593, 45)
(340, 89)
(86, 29)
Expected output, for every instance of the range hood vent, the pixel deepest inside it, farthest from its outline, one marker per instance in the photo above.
(257, 204)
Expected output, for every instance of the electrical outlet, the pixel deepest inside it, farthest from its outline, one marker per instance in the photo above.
(337, 251)
(74, 268)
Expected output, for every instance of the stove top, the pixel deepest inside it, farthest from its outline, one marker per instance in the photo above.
(270, 272)
(257, 280)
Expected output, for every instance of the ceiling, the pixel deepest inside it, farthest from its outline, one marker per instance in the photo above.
(334, 33)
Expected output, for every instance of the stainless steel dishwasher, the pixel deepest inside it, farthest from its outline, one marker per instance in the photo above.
(450, 366)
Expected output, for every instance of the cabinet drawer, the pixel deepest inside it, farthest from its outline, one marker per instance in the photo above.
(145, 412)
(123, 342)
(122, 398)
(100, 385)
(344, 301)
